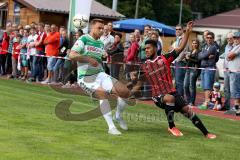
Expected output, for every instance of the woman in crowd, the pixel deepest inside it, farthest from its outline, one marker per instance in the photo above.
(192, 73)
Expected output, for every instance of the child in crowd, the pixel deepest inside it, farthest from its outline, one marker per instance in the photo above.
(216, 97)
(15, 55)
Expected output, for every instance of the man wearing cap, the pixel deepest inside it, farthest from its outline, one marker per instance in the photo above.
(233, 58)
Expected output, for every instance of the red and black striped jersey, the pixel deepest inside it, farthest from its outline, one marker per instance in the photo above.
(158, 73)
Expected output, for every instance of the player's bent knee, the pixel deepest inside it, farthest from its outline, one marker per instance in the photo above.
(125, 93)
(121, 91)
(100, 94)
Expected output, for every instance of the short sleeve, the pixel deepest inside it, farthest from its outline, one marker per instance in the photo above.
(79, 46)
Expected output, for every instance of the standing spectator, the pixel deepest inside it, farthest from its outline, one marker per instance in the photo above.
(108, 41)
(52, 44)
(227, 95)
(61, 29)
(110, 27)
(31, 48)
(15, 55)
(23, 56)
(38, 66)
(132, 53)
(233, 58)
(70, 74)
(47, 28)
(132, 50)
(204, 44)
(137, 34)
(12, 34)
(179, 62)
(146, 36)
(3, 53)
(107, 38)
(155, 36)
(142, 57)
(116, 53)
(64, 47)
(191, 74)
(208, 62)
(20, 30)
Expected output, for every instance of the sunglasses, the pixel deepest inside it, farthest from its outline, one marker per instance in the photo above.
(178, 29)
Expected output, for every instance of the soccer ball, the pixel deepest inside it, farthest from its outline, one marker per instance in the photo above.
(80, 21)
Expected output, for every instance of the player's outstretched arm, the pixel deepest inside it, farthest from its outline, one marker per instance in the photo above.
(185, 37)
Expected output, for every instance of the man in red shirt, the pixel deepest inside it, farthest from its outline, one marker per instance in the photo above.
(3, 53)
(158, 73)
(52, 44)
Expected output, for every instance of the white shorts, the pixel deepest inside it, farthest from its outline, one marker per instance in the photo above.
(91, 83)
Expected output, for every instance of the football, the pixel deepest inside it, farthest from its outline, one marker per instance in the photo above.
(80, 21)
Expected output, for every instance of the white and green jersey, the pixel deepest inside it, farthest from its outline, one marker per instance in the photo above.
(86, 45)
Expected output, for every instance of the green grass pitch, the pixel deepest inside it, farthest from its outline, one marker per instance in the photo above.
(30, 130)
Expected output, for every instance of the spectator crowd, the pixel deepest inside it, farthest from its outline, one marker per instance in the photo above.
(38, 53)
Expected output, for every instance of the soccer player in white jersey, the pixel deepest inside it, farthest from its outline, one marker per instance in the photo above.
(88, 52)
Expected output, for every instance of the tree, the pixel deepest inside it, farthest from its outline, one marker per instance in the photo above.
(168, 11)
(127, 7)
(159, 10)
(209, 8)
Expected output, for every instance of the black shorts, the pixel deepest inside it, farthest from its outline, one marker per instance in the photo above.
(179, 101)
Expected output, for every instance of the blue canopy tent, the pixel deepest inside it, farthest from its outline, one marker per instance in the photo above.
(129, 25)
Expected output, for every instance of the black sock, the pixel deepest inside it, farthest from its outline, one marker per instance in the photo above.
(170, 115)
(236, 107)
(198, 123)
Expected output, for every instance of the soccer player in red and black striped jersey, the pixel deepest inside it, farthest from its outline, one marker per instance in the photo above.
(157, 71)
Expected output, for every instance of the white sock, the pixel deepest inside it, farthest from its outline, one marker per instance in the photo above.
(121, 104)
(107, 114)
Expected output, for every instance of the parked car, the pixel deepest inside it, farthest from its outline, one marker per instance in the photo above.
(220, 67)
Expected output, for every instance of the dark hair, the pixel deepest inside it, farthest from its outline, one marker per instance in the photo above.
(197, 41)
(41, 24)
(148, 26)
(152, 42)
(155, 33)
(19, 35)
(118, 34)
(211, 34)
(33, 28)
(94, 21)
(80, 31)
(179, 25)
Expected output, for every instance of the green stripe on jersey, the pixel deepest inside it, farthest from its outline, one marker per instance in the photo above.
(88, 46)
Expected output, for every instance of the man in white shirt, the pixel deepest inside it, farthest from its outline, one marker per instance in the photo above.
(108, 41)
(106, 38)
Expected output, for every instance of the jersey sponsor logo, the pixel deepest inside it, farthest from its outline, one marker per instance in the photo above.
(94, 49)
